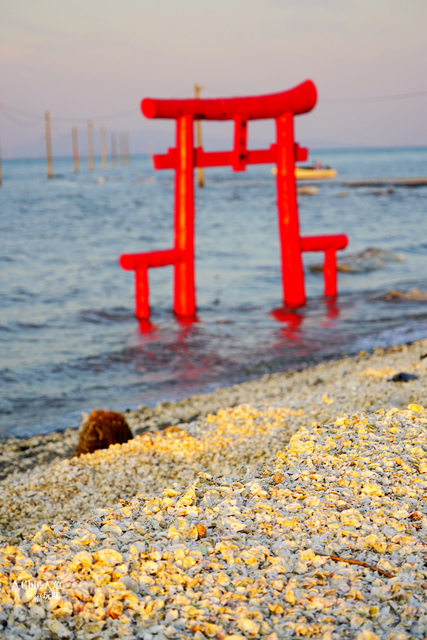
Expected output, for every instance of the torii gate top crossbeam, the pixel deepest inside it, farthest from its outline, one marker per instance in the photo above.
(298, 100)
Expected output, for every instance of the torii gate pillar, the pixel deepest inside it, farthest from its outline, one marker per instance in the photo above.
(292, 268)
(184, 297)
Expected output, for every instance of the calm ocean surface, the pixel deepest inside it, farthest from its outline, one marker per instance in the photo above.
(69, 340)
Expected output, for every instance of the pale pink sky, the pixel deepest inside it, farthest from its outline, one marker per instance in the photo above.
(85, 59)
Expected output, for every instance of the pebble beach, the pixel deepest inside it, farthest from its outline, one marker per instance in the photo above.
(291, 506)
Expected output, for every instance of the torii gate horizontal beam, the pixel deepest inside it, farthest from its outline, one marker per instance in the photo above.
(203, 158)
(298, 100)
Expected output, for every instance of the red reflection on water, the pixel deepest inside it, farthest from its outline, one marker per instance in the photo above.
(332, 311)
(291, 319)
(186, 322)
(145, 327)
(169, 351)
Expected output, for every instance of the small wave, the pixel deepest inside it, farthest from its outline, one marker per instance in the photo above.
(406, 334)
(97, 363)
(143, 179)
(19, 294)
(231, 179)
(6, 375)
(104, 316)
(31, 325)
(5, 329)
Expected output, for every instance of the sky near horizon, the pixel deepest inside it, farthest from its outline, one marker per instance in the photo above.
(97, 59)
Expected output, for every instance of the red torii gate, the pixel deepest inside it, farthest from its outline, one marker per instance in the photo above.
(184, 158)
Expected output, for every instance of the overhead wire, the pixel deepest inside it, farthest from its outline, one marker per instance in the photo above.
(8, 111)
(97, 118)
(5, 113)
(396, 96)
(20, 111)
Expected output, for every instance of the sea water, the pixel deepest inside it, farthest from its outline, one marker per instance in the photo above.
(69, 340)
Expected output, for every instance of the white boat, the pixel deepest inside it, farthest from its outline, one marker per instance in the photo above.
(312, 172)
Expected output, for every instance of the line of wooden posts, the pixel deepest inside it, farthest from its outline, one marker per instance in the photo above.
(120, 148)
(119, 152)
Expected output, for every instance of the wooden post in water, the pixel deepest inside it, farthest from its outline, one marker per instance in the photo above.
(114, 150)
(90, 145)
(1, 104)
(48, 145)
(121, 149)
(104, 162)
(127, 149)
(200, 176)
(124, 148)
(76, 162)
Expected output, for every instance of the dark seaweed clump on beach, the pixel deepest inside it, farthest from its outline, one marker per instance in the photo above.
(102, 429)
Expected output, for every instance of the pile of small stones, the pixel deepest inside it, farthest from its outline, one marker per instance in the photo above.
(328, 540)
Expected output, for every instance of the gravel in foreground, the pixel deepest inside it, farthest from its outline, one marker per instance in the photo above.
(329, 541)
(225, 525)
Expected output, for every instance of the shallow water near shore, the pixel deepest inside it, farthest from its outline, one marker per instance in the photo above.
(69, 340)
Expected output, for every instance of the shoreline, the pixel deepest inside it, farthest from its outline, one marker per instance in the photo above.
(24, 454)
(317, 394)
(285, 507)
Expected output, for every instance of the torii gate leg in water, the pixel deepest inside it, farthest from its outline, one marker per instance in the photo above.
(287, 209)
(184, 303)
